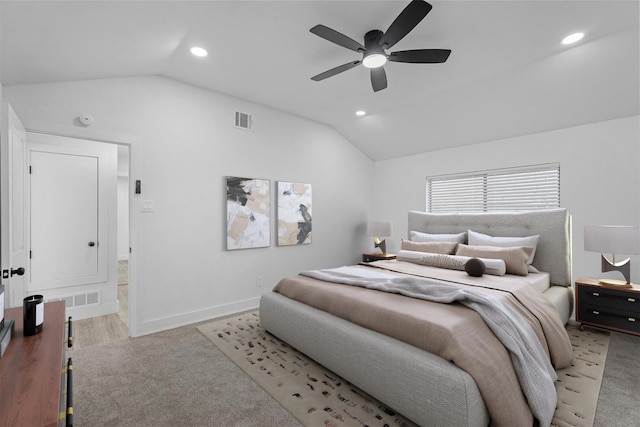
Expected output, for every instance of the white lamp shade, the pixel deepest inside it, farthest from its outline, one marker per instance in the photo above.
(379, 228)
(612, 239)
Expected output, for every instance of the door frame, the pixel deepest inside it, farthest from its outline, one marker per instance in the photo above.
(10, 259)
(135, 204)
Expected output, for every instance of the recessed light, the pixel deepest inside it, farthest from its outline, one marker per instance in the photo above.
(360, 113)
(198, 51)
(572, 38)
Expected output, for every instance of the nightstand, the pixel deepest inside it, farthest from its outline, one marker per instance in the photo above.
(377, 257)
(608, 307)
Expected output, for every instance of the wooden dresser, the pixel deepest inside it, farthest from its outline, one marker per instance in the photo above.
(31, 371)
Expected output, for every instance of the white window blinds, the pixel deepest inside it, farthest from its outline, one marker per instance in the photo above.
(513, 189)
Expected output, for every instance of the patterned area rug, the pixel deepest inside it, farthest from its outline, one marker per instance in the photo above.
(317, 397)
(578, 386)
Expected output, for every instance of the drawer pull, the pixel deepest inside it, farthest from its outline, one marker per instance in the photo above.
(631, 299)
(595, 294)
(69, 339)
(595, 312)
(69, 422)
(631, 319)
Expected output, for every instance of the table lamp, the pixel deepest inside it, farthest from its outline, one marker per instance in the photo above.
(378, 229)
(613, 239)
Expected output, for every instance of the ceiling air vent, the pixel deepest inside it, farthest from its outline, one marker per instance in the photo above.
(244, 121)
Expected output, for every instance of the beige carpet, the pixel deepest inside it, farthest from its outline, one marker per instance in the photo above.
(316, 396)
(167, 379)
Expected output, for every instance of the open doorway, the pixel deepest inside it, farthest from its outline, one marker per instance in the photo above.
(115, 326)
(57, 165)
(112, 327)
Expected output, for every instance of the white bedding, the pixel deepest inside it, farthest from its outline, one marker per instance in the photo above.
(540, 281)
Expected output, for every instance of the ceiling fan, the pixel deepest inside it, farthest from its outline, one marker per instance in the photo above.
(376, 43)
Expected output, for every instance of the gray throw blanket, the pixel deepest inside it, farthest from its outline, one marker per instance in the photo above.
(530, 361)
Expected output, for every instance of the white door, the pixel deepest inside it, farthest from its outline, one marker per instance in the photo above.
(64, 247)
(69, 214)
(12, 209)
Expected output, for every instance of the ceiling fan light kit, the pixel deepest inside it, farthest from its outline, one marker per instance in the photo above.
(374, 55)
(376, 42)
(374, 60)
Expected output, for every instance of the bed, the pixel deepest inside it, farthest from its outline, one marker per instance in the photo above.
(423, 386)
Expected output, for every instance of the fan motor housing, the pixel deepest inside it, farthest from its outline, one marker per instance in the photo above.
(372, 41)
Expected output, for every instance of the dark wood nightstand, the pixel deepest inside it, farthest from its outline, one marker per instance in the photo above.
(377, 257)
(608, 307)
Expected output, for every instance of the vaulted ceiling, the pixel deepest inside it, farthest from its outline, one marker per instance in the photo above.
(508, 74)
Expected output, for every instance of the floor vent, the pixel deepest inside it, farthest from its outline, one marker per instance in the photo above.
(79, 300)
(244, 121)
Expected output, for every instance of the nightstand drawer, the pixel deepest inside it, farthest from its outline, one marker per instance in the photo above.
(600, 315)
(610, 298)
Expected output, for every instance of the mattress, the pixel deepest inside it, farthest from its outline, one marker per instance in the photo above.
(540, 281)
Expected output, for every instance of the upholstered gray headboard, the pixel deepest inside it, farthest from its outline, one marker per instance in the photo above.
(553, 254)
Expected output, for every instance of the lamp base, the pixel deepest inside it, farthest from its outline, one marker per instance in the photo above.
(382, 244)
(623, 267)
(615, 283)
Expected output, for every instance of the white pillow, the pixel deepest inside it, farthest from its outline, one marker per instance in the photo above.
(514, 257)
(479, 239)
(496, 267)
(417, 236)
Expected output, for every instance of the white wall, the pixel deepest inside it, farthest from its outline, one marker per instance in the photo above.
(183, 145)
(599, 173)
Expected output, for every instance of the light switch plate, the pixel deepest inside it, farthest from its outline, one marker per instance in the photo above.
(147, 206)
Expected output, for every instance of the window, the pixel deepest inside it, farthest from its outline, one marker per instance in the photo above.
(513, 189)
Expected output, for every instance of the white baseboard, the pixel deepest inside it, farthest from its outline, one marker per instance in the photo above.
(93, 310)
(165, 323)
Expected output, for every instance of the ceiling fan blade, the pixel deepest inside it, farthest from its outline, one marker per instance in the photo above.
(337, 70)
(378, 79)
(420, 56)
(405, 22)
(337, 38)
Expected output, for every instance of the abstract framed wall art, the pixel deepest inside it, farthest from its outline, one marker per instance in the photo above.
(294, 213)
(248, 213)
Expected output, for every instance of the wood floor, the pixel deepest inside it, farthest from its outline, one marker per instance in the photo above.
(98, 330)
(105, 329)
